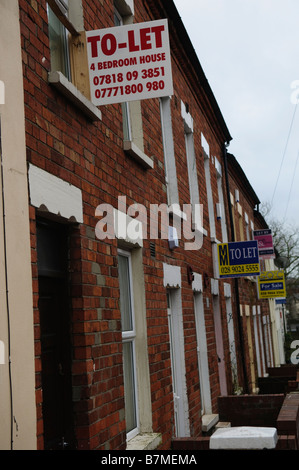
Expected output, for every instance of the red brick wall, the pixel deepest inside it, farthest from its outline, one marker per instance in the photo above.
(63, 142)
(250, 410)
(247, 288)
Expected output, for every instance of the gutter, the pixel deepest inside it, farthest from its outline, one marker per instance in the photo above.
(6, 290)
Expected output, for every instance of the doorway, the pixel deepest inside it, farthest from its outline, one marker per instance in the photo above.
(219, 345)
(177, 354)
(54, 309)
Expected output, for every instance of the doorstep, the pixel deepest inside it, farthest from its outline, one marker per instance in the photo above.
(146, 441)
(209, 421)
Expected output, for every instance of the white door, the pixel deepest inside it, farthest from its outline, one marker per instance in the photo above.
(202, 354)
(178, 363)
(219, 345)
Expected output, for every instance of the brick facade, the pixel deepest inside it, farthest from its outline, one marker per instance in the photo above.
(89, 155)
(246, 218)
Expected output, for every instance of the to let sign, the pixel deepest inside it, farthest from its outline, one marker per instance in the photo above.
(130, 62)
(265, 243)
(238, 259)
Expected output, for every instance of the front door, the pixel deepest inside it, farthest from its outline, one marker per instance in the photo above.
(219, 345)
(177, 363)
(52, 243)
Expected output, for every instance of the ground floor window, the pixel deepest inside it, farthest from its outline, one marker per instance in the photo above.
(128, 338)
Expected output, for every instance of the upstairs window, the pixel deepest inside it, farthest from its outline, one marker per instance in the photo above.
(168, 147)
(69, 64)
(58, 37)
(118, 21)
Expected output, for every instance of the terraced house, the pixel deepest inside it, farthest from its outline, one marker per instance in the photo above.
(116, 330)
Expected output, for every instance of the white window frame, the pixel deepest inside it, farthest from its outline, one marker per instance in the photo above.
(172, 281)
(209, 192)
(221, 200)
(202, 353)
(192, 167)
(168, 147)
(178, 367)
(67, 12)
(133, 143)
(231, 336)
(127, 130)
(130, 337)
(64, 8)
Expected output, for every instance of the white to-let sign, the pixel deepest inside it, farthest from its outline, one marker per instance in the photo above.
(130, 62)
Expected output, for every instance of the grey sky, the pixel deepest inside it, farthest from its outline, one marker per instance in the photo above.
(249, 51)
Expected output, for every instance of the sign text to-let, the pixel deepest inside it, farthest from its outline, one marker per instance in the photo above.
(130, 62)
(238, 259)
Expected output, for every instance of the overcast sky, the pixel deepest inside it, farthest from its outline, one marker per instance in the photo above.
(249, 51)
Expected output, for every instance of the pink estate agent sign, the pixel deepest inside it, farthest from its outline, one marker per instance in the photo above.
(265, 243)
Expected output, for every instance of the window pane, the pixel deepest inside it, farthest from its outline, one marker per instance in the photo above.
(125, 293)
(129, 382)
(125, 107)
(58, 45)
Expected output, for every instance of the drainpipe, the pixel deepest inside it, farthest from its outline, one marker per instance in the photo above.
(7, 299)
(236, 280)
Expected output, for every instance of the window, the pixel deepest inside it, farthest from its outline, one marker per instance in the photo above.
(118, 21)
(206, 152)
(191, 165)
(138, 404)
(248, 237)
(128, 337)
(69, 63)
(169, 157)
(192, 170)
(221, 200)
(58, 37)
(241, 226)
(132, 113)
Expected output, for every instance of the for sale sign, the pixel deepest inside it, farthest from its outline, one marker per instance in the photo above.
(130, 62)
(271, 284)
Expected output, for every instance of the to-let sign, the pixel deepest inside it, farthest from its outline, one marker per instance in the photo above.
(271, 284)
(130, 62)
(238, 259)
(265, 243)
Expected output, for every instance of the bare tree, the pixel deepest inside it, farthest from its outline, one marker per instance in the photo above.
(286, 242)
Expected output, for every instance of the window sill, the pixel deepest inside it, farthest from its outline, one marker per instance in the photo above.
(146, 441)
(137, 154)
(61, 83)
(208, 421)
